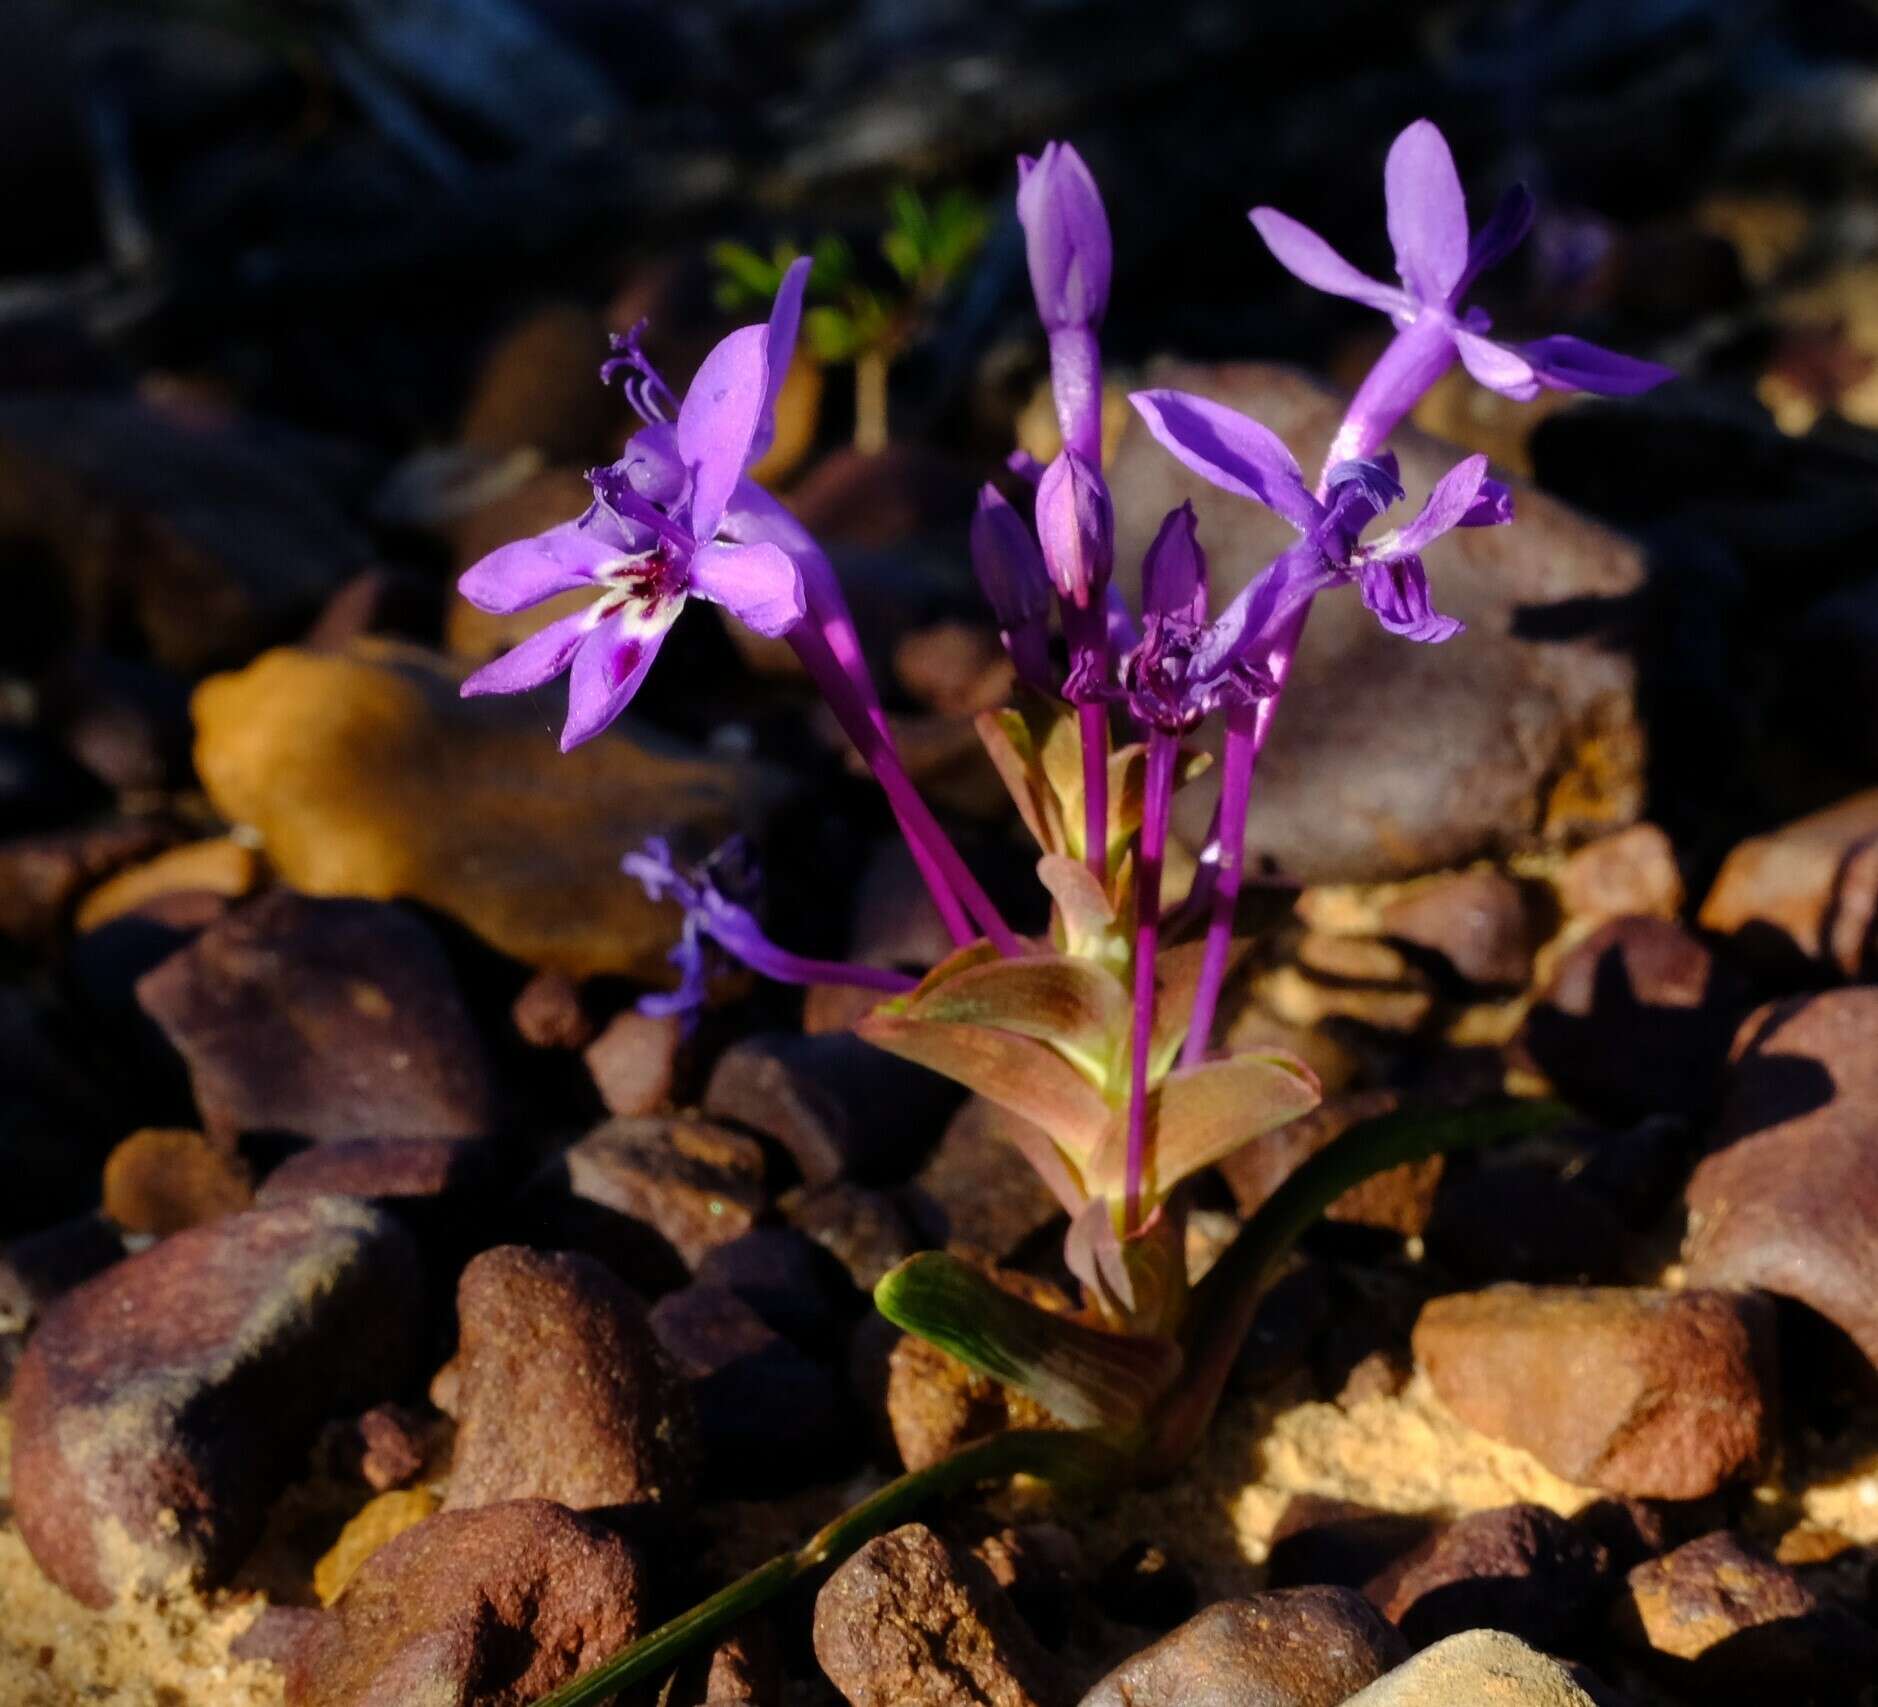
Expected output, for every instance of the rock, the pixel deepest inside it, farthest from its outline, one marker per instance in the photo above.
(1659, 1395)
(126, 722)
(895, 922)
(907, 1622)
(54, 1124)
(323, 1019)
(1804, 896)
(563, 1393)
(1322, 1540)
(1788, 1197)
(1631, 872)
(486, 1608)
(767, 1414)
(1146, 1586)
(393, 1446)
(539, 389)
(1390, 761)
(365, 774)
(936, 1404)
(1477, 1666)
(1726, 1623)
(1632, 977)
(159, 1403)
(1519, 1568)
(397, 1172)
(43, 876)
(866, 1231)
(161, 1182)
(650, 1196)
(956, 668)
(853, 499)
(1039, 1565)
(789, 1280)
(399, 602)
(1358, 980)
(382, 1521)
(1396, 1201)
(40, 788)
(634, 1062)
(212, 540)
(40, 1267)
(1519, 1221)
(840, 1107)
(1478, 922)
(989, 1198)
(550, 1014)
(1300, 1647)
(218, 866)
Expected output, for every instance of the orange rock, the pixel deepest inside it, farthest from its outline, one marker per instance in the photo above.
(219, 866)
(160, 1182)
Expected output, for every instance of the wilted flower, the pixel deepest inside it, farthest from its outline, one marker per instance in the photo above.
(1438, 262)
(655, 535)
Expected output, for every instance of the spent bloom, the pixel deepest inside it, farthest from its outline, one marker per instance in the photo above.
(662, 528)
(1438, 261)
(716, 894)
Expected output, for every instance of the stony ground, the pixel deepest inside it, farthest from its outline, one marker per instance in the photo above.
(390, 1313)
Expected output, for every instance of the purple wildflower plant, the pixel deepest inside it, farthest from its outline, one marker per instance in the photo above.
(1437, 260)
(717, 894)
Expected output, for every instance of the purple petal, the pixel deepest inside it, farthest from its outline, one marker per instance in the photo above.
(539, 658)
(1564, 363)
(651, 465)
(1025, 466)
(1497, 367)
(785, 316)
(717, 422)
(1305, 255)
(1076, 528)
(1448, 504)
(1396, 591)
(1504, 231)
(758, 584)
(1231, 450)
(607, 672)
(1066, 238)
(1123, 635)
(1491, 508)
(1173, 573)
(1427, 213)
(513, 577)
(1007, 562)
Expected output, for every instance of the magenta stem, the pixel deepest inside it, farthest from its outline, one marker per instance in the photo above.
(1094, 721)
(1157, 798)
(955, 891)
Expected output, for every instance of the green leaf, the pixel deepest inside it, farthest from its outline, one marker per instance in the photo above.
(831, 334)
(1086, 1377)
(1079, 1009)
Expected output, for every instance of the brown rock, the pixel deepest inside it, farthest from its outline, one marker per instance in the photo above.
(1519, 1568)
(366, 774)
(219, 866)
(1721, 1620)
(157, 1404)
(865, 1230)
(908, 1623)
(1632, 872)
(1039, 1565)
(42, 876)
(1324, 1540)
(990, 1198)
(1389, 763)
(1660, 1395)
(1635, 977)
(378, 601)
(539, 389)
(1473, 1669)
(486, 1608)
(549, 1014)
(634, 1062)
(563, 1393)
(1300, 1647)
(387, 1169)
(651, 1196)
(1788, 1199)
(1521, 1221)
(393, 1447)
(382, 1520)
(1806, 893)
(1477, 921)
(1397, 1201)
(323, 1019)
(1147, 1586)
(161, 1182)
(957, 668)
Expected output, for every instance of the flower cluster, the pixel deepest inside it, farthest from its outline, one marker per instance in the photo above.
(1102, 1037)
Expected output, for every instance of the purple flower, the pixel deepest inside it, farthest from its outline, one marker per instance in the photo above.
(662, 528)
(1438, 261)
(1016, 585)
(1066, 240)
(714, 894)
(1239, 455)
(1076, 529)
